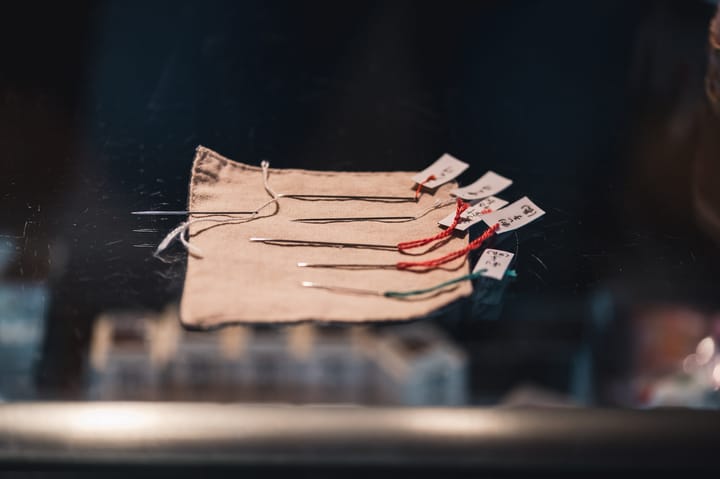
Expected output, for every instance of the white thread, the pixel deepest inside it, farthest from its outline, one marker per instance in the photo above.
(169, 237)
(182, 231)
(265, 165)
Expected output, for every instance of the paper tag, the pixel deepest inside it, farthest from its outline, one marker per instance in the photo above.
(512, 217)
(474, 214)
(445, 168)
(488, 184)
(495, 262)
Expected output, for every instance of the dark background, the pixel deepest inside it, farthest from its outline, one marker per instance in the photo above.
(590, 107)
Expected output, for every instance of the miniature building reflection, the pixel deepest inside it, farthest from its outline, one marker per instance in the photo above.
(138, 356)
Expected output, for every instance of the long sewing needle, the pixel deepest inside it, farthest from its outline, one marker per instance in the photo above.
(342, 289)
(438, 204)
(385, 199)
(438, 288)
(347, 266)
(291, 242)
(354, 218)
(180, 213)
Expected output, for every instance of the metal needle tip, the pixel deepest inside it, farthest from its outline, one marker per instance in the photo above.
(302, 265)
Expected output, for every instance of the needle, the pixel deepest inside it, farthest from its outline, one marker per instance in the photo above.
(180, 213)
(291, 242)
(384, 199)
(342, 289)
(437, 289)
(387, 199)
(347, 266)
(354, 218)
(438, 204)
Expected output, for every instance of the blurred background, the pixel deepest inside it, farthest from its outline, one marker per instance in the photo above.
(602, 111)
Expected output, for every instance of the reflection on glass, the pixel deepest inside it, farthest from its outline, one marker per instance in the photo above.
(140, 355)
(23, 308)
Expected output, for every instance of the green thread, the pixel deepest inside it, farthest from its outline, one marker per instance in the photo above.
(415, 292)
(468, 277)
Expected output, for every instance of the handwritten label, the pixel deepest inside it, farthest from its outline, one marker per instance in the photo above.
(475, 213)
(512, 217)
(495, 262)
(489, 184)
(445, 168)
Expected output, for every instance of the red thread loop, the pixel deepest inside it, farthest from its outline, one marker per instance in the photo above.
(434, 263)
(461, 206)
(421, 184)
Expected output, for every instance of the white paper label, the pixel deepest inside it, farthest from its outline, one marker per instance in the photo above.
(489, 184)
(512, 217)
(445, 168)
(475, 213)
(495, 262)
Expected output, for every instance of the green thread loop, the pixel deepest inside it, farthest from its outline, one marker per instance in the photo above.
(468, 277)
(415, 292)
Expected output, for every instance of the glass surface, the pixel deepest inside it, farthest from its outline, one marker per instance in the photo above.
(596, 110)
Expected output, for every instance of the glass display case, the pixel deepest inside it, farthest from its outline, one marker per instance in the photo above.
(601, 354)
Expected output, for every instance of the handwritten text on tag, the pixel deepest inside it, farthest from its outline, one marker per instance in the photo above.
(445, 168)
(495, 262)
(512, 217)
(475, 213)
(489, 184)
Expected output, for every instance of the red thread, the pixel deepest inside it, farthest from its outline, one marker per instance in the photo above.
(434, 263)
(421, 184)
(461, 206)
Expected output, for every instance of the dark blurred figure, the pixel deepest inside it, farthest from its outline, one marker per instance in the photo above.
(706, 194)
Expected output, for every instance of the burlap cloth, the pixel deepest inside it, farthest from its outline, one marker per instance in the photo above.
(240, 281)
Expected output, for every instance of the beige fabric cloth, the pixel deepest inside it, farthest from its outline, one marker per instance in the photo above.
(241, 281)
